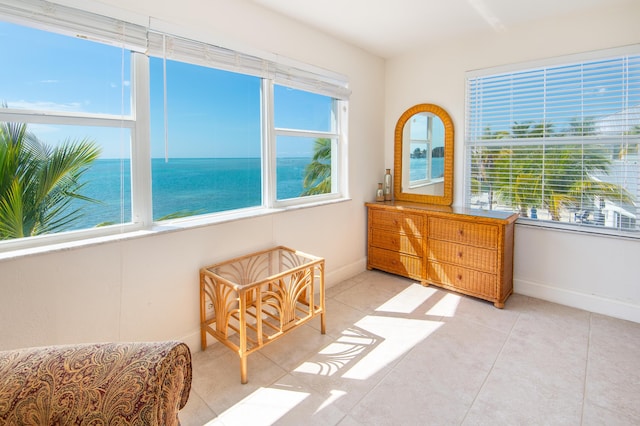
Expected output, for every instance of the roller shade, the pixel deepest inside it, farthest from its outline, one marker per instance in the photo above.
(284, 72)
(74, 22)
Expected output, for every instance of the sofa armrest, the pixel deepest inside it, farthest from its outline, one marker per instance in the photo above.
(103, 383)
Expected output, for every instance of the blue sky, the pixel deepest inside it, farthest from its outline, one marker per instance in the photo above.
(211, 113)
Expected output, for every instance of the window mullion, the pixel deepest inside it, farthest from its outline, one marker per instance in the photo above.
(141, 200)
(268, 145)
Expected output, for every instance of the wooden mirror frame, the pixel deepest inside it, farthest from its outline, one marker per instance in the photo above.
(447, 197)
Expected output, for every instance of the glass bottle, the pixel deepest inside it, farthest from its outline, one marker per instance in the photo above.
(387, 185)
(380, 193)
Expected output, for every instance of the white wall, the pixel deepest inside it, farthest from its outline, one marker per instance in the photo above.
(147, 288)
(595, 273)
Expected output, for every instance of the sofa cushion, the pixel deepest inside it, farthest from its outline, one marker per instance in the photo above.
(102, 383)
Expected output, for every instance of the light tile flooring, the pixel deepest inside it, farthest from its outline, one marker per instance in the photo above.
(397, 353)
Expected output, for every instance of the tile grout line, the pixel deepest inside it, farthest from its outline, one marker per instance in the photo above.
(475, 398)
(391, 370)
(586, 369)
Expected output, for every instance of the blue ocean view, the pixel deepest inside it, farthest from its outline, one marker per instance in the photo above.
(419, 168)
(195, 185)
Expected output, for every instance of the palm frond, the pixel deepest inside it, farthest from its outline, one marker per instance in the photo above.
(38, 183)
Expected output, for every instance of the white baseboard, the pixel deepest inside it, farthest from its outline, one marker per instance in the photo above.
(193, 341)
(587, 302)
(351, 270)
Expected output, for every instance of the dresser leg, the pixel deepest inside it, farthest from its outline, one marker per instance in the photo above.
(498, 305)
(424, 283)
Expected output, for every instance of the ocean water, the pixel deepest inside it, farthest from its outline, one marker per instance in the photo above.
(419, 168)
(185, 185)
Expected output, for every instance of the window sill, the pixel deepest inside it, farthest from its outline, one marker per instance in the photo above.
(580, 229)
(161, 227)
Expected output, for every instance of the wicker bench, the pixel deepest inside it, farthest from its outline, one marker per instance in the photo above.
(252, 300)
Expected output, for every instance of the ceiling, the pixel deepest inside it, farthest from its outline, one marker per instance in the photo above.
(389, 28)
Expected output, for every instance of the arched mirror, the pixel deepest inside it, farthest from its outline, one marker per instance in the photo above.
(423, 156)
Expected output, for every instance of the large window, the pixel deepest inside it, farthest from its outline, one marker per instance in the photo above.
(205, 140)
(558, 143)
(107, 127)
(66, 132)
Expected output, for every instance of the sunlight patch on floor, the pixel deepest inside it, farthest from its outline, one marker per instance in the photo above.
(369, 346)
(333, 397)
(408, 299)
(446, 307)
(395, 337)
(337, 355)
(263, 407)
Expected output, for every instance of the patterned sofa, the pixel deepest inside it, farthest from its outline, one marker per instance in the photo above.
(96, 384)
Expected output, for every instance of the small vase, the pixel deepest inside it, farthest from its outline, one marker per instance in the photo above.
(388, 187)
(380, 193)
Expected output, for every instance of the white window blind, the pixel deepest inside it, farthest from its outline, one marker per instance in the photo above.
(557, 143)
(74, 22)
(281, 71)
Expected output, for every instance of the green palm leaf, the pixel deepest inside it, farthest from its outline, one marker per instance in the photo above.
(317, 179)
(38, 183)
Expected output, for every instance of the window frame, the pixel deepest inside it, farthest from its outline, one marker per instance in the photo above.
(285, 72)
(336, 155)
(470, 143)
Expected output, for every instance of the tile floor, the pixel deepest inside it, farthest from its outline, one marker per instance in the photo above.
(397, 353)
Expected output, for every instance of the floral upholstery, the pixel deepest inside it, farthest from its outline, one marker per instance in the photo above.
(95, 384)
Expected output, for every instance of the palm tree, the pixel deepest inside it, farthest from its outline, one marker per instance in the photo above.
(38, 183)
(555, 177)
(317, 179)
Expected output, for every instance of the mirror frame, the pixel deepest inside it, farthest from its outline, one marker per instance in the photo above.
(447, 197)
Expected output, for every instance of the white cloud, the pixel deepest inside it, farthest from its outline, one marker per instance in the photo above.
(45, 105)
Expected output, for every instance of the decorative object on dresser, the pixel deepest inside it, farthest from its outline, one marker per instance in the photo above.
(420, 236)
(388, 185)
(379, 193)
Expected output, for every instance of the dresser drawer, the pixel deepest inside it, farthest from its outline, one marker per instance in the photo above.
(397, 242)
(467, 281)
(399, 222)
(482, 259)
(396, 263)
(457, 231)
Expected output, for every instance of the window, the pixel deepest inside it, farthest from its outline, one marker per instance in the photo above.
(162, 127)
(306, 143)
(558, 143)
(230, 132)
(211, 159)
(67, 115)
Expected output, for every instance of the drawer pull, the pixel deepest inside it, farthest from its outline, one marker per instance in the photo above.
(460, 254)
(461, 232)
(459, 277)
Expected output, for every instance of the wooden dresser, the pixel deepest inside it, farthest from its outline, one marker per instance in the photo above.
(465, 250)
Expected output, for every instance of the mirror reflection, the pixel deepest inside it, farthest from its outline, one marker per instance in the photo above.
(424, 155)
